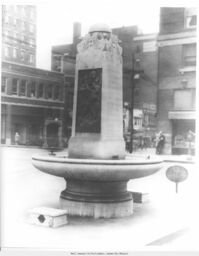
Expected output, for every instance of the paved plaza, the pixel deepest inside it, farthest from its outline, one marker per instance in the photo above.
(168, 220)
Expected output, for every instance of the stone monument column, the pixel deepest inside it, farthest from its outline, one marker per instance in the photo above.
(97, 129)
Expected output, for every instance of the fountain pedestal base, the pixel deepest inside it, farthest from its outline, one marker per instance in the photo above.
(98, 199)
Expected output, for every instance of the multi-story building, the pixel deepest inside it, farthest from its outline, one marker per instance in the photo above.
(63, 59)
(145, 80)
(32, 100)
(177, 77)
(19, 34)
(32, 105)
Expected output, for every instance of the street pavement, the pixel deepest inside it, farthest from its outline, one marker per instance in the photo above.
(167, 221)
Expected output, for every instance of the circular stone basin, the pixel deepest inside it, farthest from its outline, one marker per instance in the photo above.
(97, 187)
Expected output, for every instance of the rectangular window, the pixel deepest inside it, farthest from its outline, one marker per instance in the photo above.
(33, 89)
(32, 15)
(6, 49)
(189, 55)
(31, 42)
(23, 12)
(56, 92)
(40, 91)
(6, 19)
(6, 33)
(22, 88)
(14, 86)
(31, 58)
(14, 22)
(22, 55)
(15, 8)
(23, 25)
(6, 7)
(183, 99)
(3, 84)
(14, 35)
(14, 53)
(190, 17)
(31, 28)
(49, 91)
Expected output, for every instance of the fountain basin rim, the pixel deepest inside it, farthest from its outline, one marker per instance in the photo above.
(82, 161)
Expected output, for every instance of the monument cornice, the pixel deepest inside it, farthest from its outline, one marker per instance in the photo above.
(100, 41)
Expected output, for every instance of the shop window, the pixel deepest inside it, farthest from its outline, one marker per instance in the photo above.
(40, 91)
(56, 92)
(33, 89)
(14, 86)
(189, 55)
(3, 84)
(22, 88)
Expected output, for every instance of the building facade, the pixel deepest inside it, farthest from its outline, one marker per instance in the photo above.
(142, 89)
(32, 106)
(177, 78)
(63, 59)
(19, 34)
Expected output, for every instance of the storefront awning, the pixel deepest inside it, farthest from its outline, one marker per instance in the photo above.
(182, 115)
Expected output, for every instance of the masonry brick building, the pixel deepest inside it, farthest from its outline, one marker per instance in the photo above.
(19, 34)
(177, 77)
(32, 99)
(146, 56)
(32, 105)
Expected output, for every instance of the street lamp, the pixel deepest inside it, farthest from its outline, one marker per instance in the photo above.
(136, 71)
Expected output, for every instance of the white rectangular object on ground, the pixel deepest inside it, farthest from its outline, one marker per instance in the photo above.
(48, 217)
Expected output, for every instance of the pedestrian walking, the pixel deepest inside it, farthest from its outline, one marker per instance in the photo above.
(190, 139)
(16, 138)
(160, 143)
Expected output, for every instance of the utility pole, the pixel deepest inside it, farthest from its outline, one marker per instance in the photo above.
(135, 76)
(132, 105)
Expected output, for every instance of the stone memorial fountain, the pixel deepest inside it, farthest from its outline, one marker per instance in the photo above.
(96, 168)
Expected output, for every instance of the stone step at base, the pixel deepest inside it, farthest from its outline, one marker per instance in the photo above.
(139, 197)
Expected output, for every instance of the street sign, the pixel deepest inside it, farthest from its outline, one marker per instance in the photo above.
(177, 174)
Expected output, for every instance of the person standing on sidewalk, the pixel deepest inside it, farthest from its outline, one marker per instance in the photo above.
(160, 143)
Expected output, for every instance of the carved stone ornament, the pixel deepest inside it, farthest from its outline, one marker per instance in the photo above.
(103, 41)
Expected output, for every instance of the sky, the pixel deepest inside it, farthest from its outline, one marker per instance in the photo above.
(55, 21)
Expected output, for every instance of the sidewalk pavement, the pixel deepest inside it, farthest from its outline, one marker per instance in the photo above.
(160, 222)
